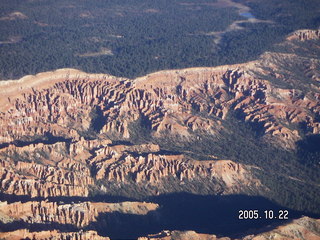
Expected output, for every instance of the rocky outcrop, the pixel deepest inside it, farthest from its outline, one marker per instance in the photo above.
(305, 35)
(66, 178)
(303, 228)
(181, 235)
(19, 184)
(63, 100)
(78, 214)
(51, 235)
(167, 101)
(48, 170)
(153, 168)
(70, 169)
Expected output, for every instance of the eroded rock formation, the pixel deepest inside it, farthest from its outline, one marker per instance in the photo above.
(70, 169)
(153, 167)
(51, 235)
(303, 228)
(78, 214)
(68, 133)
(304, 35)
(63, 103)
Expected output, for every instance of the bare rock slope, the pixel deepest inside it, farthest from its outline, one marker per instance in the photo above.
(303, 228)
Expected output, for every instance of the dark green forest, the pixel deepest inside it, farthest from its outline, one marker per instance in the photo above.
(133, 37)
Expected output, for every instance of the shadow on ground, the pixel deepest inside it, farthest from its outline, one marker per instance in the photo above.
(217, 215)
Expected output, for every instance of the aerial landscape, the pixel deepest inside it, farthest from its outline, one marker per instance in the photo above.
(141, 119)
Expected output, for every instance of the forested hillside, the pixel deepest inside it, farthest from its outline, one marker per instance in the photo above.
(132, 38)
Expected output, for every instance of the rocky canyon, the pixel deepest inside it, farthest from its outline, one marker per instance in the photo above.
(70, 139)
